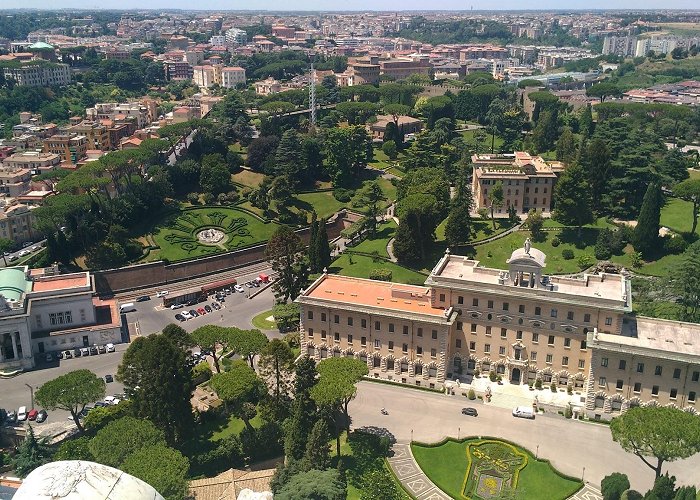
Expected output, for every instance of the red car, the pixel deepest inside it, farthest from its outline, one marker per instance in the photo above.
(32, 414)
(201, 311)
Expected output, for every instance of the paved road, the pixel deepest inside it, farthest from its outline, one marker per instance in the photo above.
(13, 258)
(14, 393)
(570, 445)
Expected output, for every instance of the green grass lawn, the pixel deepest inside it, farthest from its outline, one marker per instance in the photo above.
(388, 189)
(446, 466)
(378, 244)
(677, 214)
(176, 234)
(468, 135)
(323, 202)
(599, 223)
(495, 253)
(694, 173)
(261, 321)
(481, 229)
(231, 426)
(361, 266)
(248, 178)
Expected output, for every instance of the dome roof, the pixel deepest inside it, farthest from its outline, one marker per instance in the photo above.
(521, 256)
(82, 480)
(41, 46)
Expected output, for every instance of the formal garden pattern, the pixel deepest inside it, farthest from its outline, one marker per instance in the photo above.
(493, 469)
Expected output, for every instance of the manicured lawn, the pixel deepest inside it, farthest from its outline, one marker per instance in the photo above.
(361, 266)
(232, 426)
(468, 135)
(323, 202)
(248, 178)
(260, 321)
(388, 189)
(495, 253)
(378, 244)
(446, 466)
(176, 234)
(599, 223)
(694, 174)
(481, 229)
(677, 214)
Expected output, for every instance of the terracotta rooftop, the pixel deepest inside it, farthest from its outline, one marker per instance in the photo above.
(60, 283)
(363, 292)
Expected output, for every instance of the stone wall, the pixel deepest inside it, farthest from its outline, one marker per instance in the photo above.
(155, 274)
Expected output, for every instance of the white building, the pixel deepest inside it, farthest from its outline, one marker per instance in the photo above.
(232, 76)
(42, 311)
(235, 36)
(39, 75)
(218, 40)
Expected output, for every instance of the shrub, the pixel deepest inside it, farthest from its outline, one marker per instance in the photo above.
(380, 274)
(343, 195)
(585, 261)
(602, 248)
(389, 148)
(613, 485)
(631, 495)
(555, 242)
(567, 254)
(567, 412)
(193, 198)
(637, 261)
(538, 383)
(674, 245)
(492, 376)
(208, 198)
(471, 394)
(201, 372)
(553, 387)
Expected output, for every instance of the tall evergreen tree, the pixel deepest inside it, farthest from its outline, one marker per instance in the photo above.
(324, 247)
(458, 226)
(566, 146)
(289, 157)
(298, 426)
(31, 454)
(286, 253)
(317, 455)
(646, 233)
(595, 159)
(572, 198)
(313, 246)
(585, 122)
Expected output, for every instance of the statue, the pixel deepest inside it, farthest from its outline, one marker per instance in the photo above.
(528, 245)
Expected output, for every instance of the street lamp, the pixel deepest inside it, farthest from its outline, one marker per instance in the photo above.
(31, 392)
(537, 453)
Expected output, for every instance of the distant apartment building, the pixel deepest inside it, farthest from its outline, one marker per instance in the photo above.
(33, 161)
(267, 86)
(664, 44)
(528, 182)
(96, 134)
(283, 32)
(70, 147)
(177, 70)
(401, 68)
(206, 76)
(619, 45)
(14, 181)
(217, 40)
(194, 57)
(140, 113)
(232, 76)
(16, 222)
(235, 36)
(39, 74)
(364, 70)
(483, 52)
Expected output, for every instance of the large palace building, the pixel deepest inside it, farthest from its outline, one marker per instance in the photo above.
(520, 323)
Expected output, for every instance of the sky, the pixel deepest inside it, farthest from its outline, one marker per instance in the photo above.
(326, 5)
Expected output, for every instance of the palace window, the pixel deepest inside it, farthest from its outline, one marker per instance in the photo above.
(622, 365)
(676, 373)
(570, 315)
(548, 359)
(581, 363)
(502, 351)
(323, 334)
(458, 343)
(619, 384)
(487, 348)
(377, 325)
(433, 353)
(310, 315)
(567, 342)
(604, 362)
(691, 397)
(323, 316)
(363, 341)
(391, 345)
(363, 323)
(535, 337)
(349, 320)
(695, 377)
(434, 334)
(459, 325)
(637, 387)
(602, 381)
(521, 309)
(349, 339)
(419, 332)
(472, 346)
(504, 333)
(377, 344)
(565, 361)
(658, 370)
(404, 348)
(586, 318)
(506, 306)
(475, 302)
(640, 367)
(442, 297)
(336, 319)
(533, 355)
(336, 337)
(405, 329)
(419, 350)
(519, 335)
(391, 327)
(460, 299)
(655, 390)
(550, 341)
(673, 394)
(538, 311)
(490, 304)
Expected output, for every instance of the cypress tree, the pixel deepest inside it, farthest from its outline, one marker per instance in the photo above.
(317, 454)
(323, 248)
(313, 246)
(646, 234)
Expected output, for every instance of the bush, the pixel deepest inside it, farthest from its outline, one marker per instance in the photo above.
(538, 384)
(389, 148)
(193, 198)
(492, 376)
(613, 485)
(208, 198)
(567, 412)
(471, 395)
(567, 254)
(631, 495)
(602, 248)
(343, 195)
(555, 242)
(201, 372)
(674, 245)
(380, 274)
(585, 261)
(553, 387)
(637, 261)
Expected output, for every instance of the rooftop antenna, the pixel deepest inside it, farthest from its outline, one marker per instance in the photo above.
(312, 93)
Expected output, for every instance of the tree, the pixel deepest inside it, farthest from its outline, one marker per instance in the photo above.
(585, 121)
(260, 151)
(595, 159)
(286, 253)
(71, 392)
(286, 316)
(646, 232)
(572, 198)
(247, 343)
(534, 222)
(156, 378)
(31, 453)
(215, 176)
(5, 246)
(314, 484)
(240, 389)
(686, 493)
(121, 438)
(496, 200)
(336, 387)
(603, 90)
(613, 485)
(162, 467)
(211, 338)
(566, 146)
(664, 433)
(684, 283)
(689, 190)
(419, 215)
(390, 150)
(178, 336)
(313, 247)
(74, 449)
(664, 488)
(317, 455)
(289, 158)
(323, 248)
(278, 357)
(368, 198)
(378, 483)
(458, 226)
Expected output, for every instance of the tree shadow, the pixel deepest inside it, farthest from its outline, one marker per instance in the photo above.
(587, 236)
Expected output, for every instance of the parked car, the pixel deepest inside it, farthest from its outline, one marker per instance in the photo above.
(180, 317)
(48, 357)
(85, 411)
(22, 414)
(201, 311)
(208, 308)
(109, 379)
(84, 351)
(77, 352)
(110, 347)
(470, 411)
(524, 412)
(162, 293)
(110, 400)
(143, 298)
(216, 305)
(256, 283)
(42, 416)
(176, 306)
(32, 414)
(67, 354)
(239, 288)
(100, 404)
(248, 284)
(11, 418)
(193, 313)
(101, 349)
(94, 351)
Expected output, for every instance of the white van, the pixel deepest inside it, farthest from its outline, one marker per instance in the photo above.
(22, 414)
(524, 412)
(128, 307)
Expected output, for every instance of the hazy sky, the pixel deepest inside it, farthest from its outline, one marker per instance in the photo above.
(354, 4)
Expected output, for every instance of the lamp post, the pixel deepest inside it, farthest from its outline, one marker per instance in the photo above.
(583, 473)
(537, 453)
(31, 393)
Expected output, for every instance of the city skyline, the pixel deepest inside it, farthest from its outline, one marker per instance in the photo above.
(362, 5)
